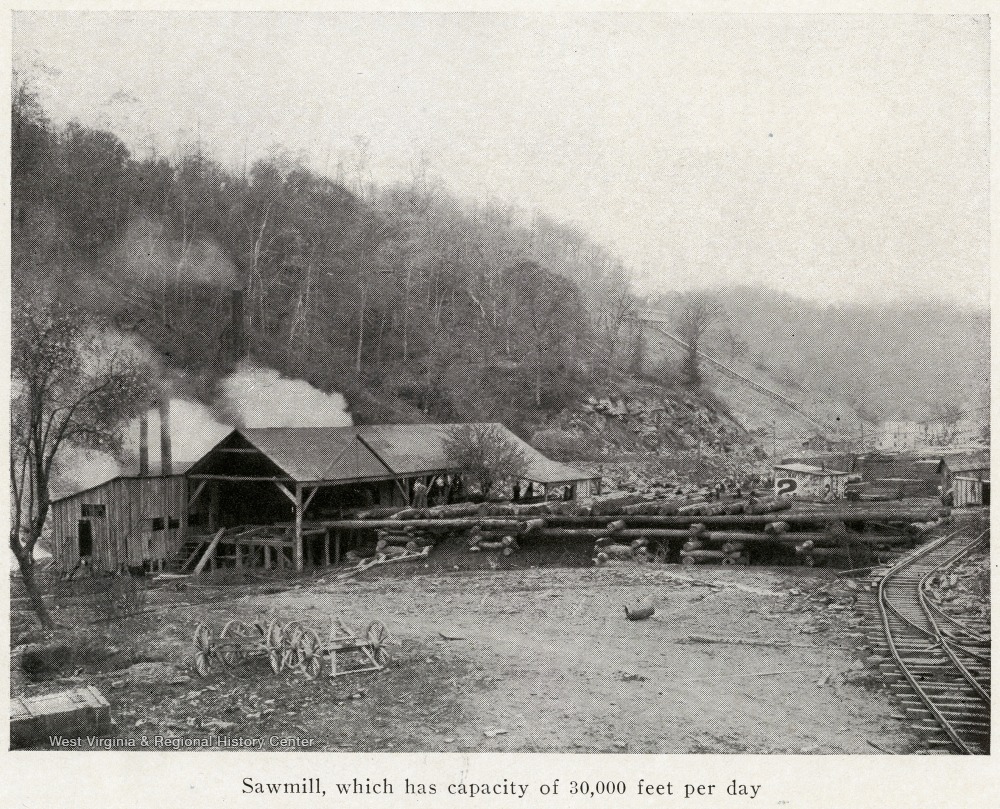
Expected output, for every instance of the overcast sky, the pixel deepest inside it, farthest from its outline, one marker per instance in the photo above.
(832, 156)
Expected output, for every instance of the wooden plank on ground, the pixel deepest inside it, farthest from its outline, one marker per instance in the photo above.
(209, 551)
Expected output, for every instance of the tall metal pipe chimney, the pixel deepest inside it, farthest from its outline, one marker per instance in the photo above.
(143, 443)
(166, 459)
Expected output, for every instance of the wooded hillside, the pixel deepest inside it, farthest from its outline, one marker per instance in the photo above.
(404, 298)
(412, 302)
(884, 359)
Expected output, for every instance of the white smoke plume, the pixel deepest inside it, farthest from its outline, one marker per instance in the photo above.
(253, 397)
(78, 469)
(261, 397)
(193, 432)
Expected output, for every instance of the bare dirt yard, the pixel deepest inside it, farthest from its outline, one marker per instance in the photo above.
(734, 660)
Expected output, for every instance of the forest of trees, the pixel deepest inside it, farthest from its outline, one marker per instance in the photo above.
(406, 299)
(410, 301)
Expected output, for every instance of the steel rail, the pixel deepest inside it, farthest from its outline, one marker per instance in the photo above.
(910, 595)
(945, 645)
(962, 626)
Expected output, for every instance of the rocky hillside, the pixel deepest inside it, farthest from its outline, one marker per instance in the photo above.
(640, 432)
(772, 424)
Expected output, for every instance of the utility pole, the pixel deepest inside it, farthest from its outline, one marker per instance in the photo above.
(774, 440)
(699, 446)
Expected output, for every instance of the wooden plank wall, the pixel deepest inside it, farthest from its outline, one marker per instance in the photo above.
(121, 536)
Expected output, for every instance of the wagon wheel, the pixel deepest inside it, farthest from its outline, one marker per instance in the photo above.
(202, 650)
(290, 656)
(688, 560)
(376, 637)
(310, 651)
(659, 553)
(275, 641)
(233, 651)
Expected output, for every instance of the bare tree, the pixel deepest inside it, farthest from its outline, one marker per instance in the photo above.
(735, 347)
(697, 311)
(485, 453)
(72, 384)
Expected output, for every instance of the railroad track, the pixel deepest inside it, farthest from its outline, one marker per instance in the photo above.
(936, 665)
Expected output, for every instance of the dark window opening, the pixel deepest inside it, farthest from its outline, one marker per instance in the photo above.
(84, 538)
(174, 522)
(92, 510)
(156, 524)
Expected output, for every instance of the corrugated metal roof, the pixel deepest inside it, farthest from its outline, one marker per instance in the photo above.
(809, 470)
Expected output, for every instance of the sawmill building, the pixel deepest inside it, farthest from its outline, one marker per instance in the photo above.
(260, 496)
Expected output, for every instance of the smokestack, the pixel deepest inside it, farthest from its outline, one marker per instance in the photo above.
(166, 461)
(143, 443)
(239, 325)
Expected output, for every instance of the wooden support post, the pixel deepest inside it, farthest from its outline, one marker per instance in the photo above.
(299, 564)
(213, 506)
(267, 557)
(309, 499)
(336, 547)
(403, 491)
(197, 492)
(326, 548)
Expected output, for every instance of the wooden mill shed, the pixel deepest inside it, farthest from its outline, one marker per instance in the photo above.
(418, 451)
(802, 480)
(297, 477)
(128, 521)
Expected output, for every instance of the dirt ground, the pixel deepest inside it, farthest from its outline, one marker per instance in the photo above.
(734, 660)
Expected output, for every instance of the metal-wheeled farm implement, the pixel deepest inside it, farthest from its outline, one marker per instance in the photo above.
(292, 646)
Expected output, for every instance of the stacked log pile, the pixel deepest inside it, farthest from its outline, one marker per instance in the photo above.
(725, 532)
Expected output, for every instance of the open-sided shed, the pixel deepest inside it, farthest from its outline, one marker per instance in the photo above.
(293, 477)
(419, 450)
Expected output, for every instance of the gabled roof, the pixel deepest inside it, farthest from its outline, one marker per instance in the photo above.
(411, 449)
(364, 453)
(966, 461)
(298, 453)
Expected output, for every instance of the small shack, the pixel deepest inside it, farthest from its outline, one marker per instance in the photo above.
(971, 491)
(967, 475)
(125, 522)
(802, 480)
(906, 474)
